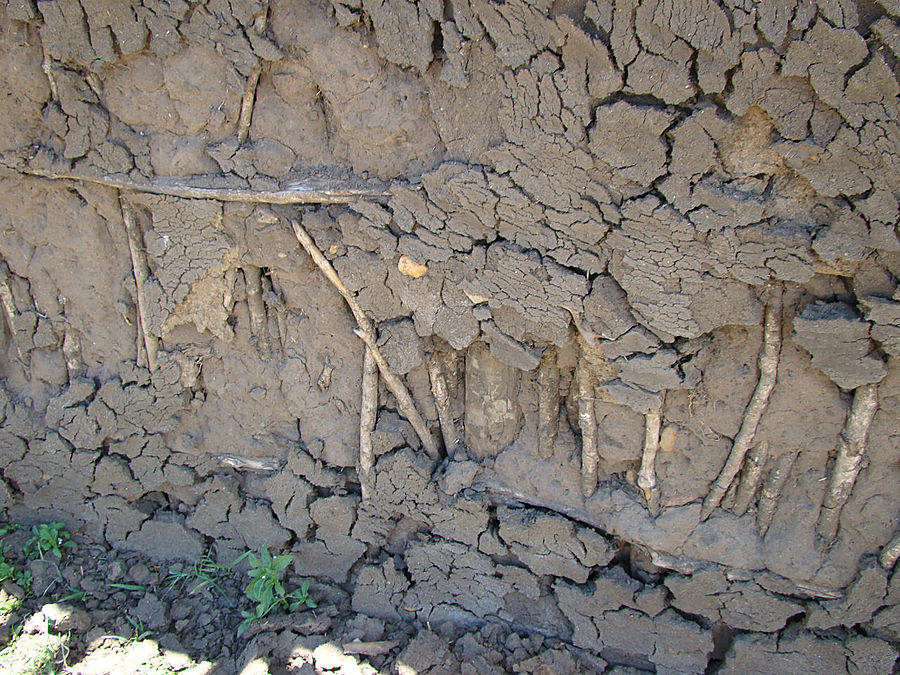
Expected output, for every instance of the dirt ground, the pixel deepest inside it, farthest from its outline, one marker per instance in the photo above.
(552, 334)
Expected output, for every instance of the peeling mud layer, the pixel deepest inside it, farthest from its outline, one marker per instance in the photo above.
(628, 275)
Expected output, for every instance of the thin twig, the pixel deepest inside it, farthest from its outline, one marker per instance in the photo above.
(368, 412)
(247, 104)
(401, 393)
(851, 448)
(9, 307)
(772, 489)
(587, 422)
(751, 475)
(442, 403)
(646, 479)
(312, 191)
(141, 276)
(890, 553)
(548, 403)
(768, 372)
(47, 67)
(71, 348)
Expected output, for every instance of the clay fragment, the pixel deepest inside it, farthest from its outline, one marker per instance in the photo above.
(851, 448)
(768, 370)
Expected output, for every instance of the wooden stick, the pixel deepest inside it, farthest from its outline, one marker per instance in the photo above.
(257, 307)
(587, 422)
(47, 67)
(141, 276)
(331, 274)
(247, 104)
(751, 475)
(772, 489)
(368, 413)
(311, 191)
(890, 553)
(548, 403)
(768, 372)
(71, 348)
(442, 403)
(9, 307)
(401, 393)
(851, 448)
(646, 479)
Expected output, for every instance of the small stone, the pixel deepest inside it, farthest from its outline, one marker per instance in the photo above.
(65, 618)
(411, 268)
(152, 612)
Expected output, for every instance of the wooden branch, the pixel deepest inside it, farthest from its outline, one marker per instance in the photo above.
(257, 307)
(9, 308)
(890, 553)
(442, 403)
(141, 276)
(850, 452)
(364, 322)
(772, 489)
(646, 479)
(71, 348)
(401, 393)
(751, 475)
(368, 413)
(247, 100)
(768, 372)
(587, 422)
(548, 403)
(311, 191)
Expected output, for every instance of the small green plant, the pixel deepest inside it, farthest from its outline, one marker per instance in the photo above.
(136, 588)
(266, 590)
(205, 572)
(138, 631)
(8, 569)
(48, 538)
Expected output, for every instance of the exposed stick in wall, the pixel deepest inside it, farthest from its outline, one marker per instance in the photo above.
(401, 393)
(47, 67)
(751, 475)
(890, 553)
(851, 448)
(548, 403)
(772, 489)
(768, 371)
(258, 319)
(368, 413)
(366, 333)
(587, 422)
(646, 479)
(141, 276)
(9, 307)
(442, 403)
(247, 104)
(313, 191)
(71, 348)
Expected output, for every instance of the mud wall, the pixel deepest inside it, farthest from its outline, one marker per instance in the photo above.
(635, 264)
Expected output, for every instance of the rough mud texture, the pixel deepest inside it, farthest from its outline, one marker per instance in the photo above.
(564, 219)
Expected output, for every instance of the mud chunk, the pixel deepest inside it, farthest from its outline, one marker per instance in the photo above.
(752, 652)
(379, 590)
(641, 156)
(552, 545)
(869, 655)
(426, 654)
(606, 309)
(152, 612)
(404, 30)
(519, 29)
(401, 345)
(863, 598)
(492, 410)
(839, 343)
(510, 351)
(64, 618)
(165, 540)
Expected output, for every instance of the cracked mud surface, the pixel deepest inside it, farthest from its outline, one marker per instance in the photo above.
(567, 221)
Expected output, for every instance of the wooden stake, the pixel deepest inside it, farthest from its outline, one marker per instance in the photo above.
(366, 332)
(768, 372)
(257, 307)
(368, 413)
(442, 403)
(141, 276)
(548, 403)
(312, 191)
(247, 104)
(587, 422)
(646, 479)
(890, 553)
(851, 448)
(401, 393)
(9, 307)
(772, 489)
(751, 475)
